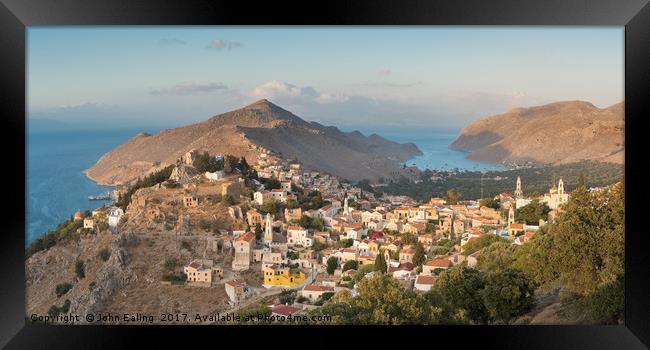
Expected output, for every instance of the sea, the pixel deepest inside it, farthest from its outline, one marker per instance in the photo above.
(56, 185)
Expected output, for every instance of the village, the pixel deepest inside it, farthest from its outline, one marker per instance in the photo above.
(305, 235)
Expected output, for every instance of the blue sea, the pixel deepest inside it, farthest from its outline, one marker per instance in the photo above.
(57, 186)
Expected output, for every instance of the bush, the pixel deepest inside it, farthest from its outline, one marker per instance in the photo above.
(186, 245)
(62, 288)
(350, 265)
(104, 254)
(287, 296)
(171, 264)
(180, 278)
(79, 269)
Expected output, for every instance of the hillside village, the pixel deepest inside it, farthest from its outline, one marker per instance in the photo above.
(253, 233)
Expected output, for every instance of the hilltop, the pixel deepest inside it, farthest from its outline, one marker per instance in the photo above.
(556, 133)
(248, 132)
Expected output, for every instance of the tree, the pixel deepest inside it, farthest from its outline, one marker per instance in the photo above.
(489, 202)
(452, 196)
(291, 255)
(79, 269)
(380, 263)
(204, 162)
(269, 207)
(495, 257)
(419, 257)
(532, 212)
(350, 265)
(507, 294)
(104, 254)
(332, 264)
(258, 231)
(480, 243)
(228, 199)
(62, 288)
(287, 296)
(457, 291)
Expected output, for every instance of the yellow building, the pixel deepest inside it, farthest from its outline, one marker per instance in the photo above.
(275, 275)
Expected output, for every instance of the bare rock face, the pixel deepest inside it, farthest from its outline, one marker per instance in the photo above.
(556, 133)
(114, 275)
(246, 131)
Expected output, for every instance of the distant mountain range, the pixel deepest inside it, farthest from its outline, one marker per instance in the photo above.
(556, 133)
(249, 130)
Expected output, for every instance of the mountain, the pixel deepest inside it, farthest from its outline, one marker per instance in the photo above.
(247, 132)
(556, 133)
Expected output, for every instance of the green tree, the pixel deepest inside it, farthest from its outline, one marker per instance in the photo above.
(419, 257)
(62, 288)
(532, 213)
(332, 264)
(457, 291)
(489, 202)
(287, 296)
(481, 242)
(380, 263)
(258, 231)
(495, 257)
(507, 294)
(104, 254)
(350, 265)
(79, 269)
(452, 196)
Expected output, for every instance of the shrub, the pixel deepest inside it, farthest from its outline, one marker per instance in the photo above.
(104, 254)
(79, 269)
(170, 264)
(62, 288)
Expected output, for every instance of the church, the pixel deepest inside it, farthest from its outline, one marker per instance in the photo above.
(556, 196)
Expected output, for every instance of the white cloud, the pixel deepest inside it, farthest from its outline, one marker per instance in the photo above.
(284, 92)
(221, 44)
(183, 89)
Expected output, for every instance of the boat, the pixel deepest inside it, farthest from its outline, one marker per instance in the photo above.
(101, 197)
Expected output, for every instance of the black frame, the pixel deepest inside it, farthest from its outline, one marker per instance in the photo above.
(15, 15)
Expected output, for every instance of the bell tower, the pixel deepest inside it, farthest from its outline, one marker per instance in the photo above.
(518, 191)
(268, 230)
(560, 187)
(511, 215)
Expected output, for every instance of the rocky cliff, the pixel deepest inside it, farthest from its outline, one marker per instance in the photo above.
(556, 133)
(244, 132)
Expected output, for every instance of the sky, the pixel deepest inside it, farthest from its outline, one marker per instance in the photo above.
(351, 77)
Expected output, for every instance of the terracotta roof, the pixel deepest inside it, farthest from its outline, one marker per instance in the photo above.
(516, 226)
(406, 266)
(248, 236)
(438, 263)
(236, 282)
(317, 288)
(407, 251)
(195, 264)
(295, 228)
(277, 190)
(285, 310)
(423, 279)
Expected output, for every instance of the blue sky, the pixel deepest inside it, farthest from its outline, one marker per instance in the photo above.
(352, 77)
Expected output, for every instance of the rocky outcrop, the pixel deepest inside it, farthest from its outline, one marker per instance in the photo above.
(247, 131)
(114, 275)
(556, 133)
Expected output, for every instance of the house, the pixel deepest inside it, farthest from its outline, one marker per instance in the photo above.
(423, 283)
(216, 176)
(279, 195)
(286, 186)
(89, 223)
(114, 216)
(236, 290)
(297, 235)
(406, 255)
(349, 254)
(472, 259)
(314, 292)
(253, 217)
(514, 229)
(524, 238)
(277, 275)
(366, 260)
(190, 201)
(292, 214)
(373, 247)
(261, 197)
(426, 239)
(430, 265)
(197, 272)
(243, 251)
(437, 202)
(402, 271)
(281, 310)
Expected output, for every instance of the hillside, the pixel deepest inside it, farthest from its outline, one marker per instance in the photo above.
(556, 133)
(249, 130)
